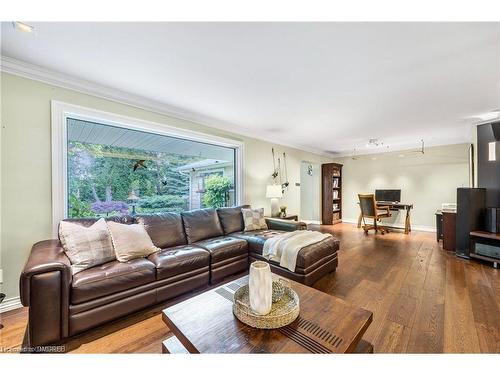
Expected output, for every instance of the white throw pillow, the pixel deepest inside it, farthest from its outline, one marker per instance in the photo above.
(86, 247)
(253, 219)
(130, 241)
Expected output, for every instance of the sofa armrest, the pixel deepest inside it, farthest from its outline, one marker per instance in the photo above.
(286, 225)
(46, 256)
(45, 284)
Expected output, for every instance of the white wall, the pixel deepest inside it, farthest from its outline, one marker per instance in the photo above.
(425, 180)
(26, 165)
(25, 202)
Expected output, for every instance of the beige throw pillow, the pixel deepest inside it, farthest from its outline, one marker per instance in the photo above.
(86, 247)
(253, 219)
(130, 241)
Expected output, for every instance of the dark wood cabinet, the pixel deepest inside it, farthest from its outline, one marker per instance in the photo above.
(449, 230)
(331, 197)
(439, 225)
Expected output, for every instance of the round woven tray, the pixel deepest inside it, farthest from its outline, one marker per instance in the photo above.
(283, 312)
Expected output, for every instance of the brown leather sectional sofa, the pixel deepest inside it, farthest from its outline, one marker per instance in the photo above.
(199, 248)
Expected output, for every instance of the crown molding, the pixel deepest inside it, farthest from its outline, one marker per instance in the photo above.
(35, 72)
(484, 122)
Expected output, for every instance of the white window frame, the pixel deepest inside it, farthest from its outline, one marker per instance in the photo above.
(61, 111)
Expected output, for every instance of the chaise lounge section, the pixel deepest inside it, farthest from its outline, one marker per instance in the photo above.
(313, 261)
(198, 248)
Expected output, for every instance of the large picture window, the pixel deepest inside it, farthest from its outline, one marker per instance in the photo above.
(112, 168)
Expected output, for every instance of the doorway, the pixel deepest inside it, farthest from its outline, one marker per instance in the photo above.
(310, 178)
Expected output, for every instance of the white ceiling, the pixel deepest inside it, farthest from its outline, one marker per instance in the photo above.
(322, 86)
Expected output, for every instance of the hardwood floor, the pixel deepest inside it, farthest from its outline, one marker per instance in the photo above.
(424, 300)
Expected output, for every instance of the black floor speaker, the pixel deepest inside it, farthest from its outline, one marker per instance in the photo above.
(492, 219)
(470, 216)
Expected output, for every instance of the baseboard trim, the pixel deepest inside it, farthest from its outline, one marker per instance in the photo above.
(418, 228)
(10, 304)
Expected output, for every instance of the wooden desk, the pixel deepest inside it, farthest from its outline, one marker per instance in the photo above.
(395, 206)
(206, 324)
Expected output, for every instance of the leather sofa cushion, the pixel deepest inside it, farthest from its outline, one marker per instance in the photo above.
(179, 260)
(231, 218)
(165, 229)
(222, 248)
(111, 277)
(201, 224)
(256, 238)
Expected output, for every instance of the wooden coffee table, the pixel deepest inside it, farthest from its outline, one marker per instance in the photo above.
(206, 324)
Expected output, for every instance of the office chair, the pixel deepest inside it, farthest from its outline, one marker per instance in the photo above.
(369, 209)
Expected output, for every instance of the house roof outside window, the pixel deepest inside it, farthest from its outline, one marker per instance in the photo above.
(204, 164)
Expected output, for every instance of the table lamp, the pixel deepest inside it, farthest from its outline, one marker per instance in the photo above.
(274, 192)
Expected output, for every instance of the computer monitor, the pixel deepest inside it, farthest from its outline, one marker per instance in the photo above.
(388, 195)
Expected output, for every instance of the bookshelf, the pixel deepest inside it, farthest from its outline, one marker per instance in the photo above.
(331, 197)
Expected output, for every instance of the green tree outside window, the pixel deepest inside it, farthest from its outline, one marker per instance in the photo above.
(217, 191)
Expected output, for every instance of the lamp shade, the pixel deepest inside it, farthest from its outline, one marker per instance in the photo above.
(273, 191)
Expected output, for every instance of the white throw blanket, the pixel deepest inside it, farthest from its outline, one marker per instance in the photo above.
(285, 247)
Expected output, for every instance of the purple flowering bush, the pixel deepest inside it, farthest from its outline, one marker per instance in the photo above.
(110, 206)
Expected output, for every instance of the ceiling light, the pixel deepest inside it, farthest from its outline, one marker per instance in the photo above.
(401, 155)
(374, 142)
(23, 27)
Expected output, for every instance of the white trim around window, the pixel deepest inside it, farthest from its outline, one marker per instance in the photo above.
(60, 112)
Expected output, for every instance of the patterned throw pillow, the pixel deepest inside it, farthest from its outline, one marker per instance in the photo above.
(254, 219)
(86, 247)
